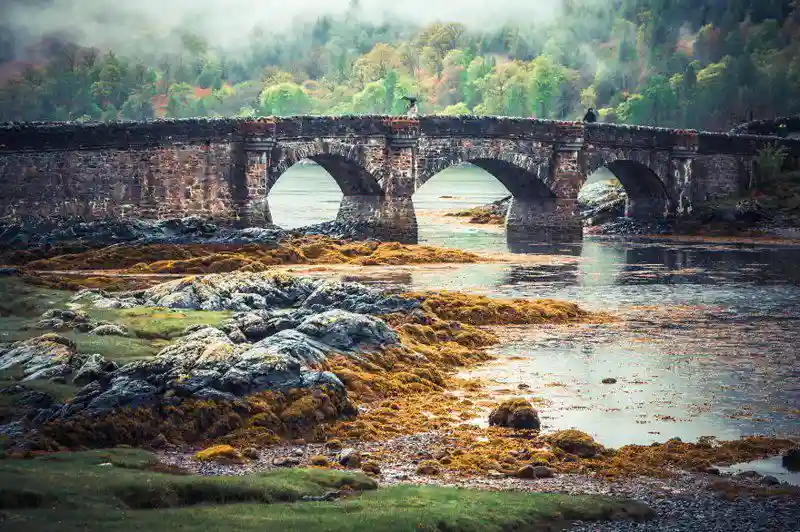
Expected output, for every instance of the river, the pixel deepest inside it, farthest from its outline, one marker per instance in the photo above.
(706, 344)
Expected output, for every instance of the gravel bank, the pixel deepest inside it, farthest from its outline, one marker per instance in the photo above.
(685, 503)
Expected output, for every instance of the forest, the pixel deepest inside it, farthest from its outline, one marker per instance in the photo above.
(674, 63)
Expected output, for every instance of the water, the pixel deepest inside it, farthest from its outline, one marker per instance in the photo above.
(769, 466)
(707, 343)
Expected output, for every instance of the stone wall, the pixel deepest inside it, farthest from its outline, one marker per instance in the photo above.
(158, 182)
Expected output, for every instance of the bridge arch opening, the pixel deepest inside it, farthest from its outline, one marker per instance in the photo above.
(490, 203)
(623, 189)
(462, 206)
(305, 194)
(326, 187)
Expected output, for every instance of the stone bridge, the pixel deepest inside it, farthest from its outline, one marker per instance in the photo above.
(224, 169)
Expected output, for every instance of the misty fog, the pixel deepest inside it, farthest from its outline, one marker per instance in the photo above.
(146, 23)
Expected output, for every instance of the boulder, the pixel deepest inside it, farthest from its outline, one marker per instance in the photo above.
(41, 358)
(350, 458)
(123, 392)
(109, 330)
(94, 368)
(347, 331)
(791, 459)
(286, 462)
(575, 442)
(602, 201)
(57, 319)
(516, 414)
(535, 471)
(260, 298)
(428, 468)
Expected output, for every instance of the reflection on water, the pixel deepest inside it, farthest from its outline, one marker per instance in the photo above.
(706, 346)
(769, 466)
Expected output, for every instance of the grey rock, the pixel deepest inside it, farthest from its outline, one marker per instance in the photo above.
(96, 367)
(286, 462)
(346, 330)
(159, 442)
(769, 480)
(109, 330)
(123, 392)
(42, 357)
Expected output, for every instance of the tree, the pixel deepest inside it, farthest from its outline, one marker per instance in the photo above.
(138, 107)
(109, 89)
(459, 109)
(285, 99)
(178, 100)
(377, 63)
(371, 100)
(544, 81)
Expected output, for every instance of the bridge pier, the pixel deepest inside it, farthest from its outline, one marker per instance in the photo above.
(544, 219)
(389, 219)
(647, 208)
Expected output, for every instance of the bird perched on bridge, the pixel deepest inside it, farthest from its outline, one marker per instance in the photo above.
(590, 116)
(412, 105)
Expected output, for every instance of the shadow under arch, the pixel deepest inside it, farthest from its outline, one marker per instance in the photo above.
(647, 196)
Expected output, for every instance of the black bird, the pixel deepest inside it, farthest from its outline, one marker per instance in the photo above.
(412, 104)
(590, 117)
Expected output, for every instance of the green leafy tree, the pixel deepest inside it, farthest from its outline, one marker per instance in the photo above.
(285, 99)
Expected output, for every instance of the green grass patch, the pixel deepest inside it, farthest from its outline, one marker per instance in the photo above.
(159, 323)
(121, 350)
(119, 490)
(151, 329)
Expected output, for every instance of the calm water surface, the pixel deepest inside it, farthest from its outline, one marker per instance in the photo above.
(708, 341)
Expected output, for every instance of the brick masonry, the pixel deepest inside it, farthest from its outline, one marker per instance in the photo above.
(224, 169)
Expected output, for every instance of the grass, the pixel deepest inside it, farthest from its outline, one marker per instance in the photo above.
(159, 323)
(73, 491)
(117, 348)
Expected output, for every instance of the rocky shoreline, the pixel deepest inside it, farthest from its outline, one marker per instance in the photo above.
(293, 371)
(685, 502)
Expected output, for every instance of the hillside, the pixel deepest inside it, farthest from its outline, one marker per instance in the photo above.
(708, 65)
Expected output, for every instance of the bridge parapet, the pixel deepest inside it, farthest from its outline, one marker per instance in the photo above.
(74, 136)
(743, 144)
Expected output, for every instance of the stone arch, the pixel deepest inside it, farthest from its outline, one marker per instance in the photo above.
(639, 173)
(342, 161)
(536, 212)
(523, 175)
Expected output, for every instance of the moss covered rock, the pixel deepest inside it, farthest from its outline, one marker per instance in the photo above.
(219, 453)
(515, 414)
(575, 442)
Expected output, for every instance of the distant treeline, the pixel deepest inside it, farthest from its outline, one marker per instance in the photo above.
(677, 63)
